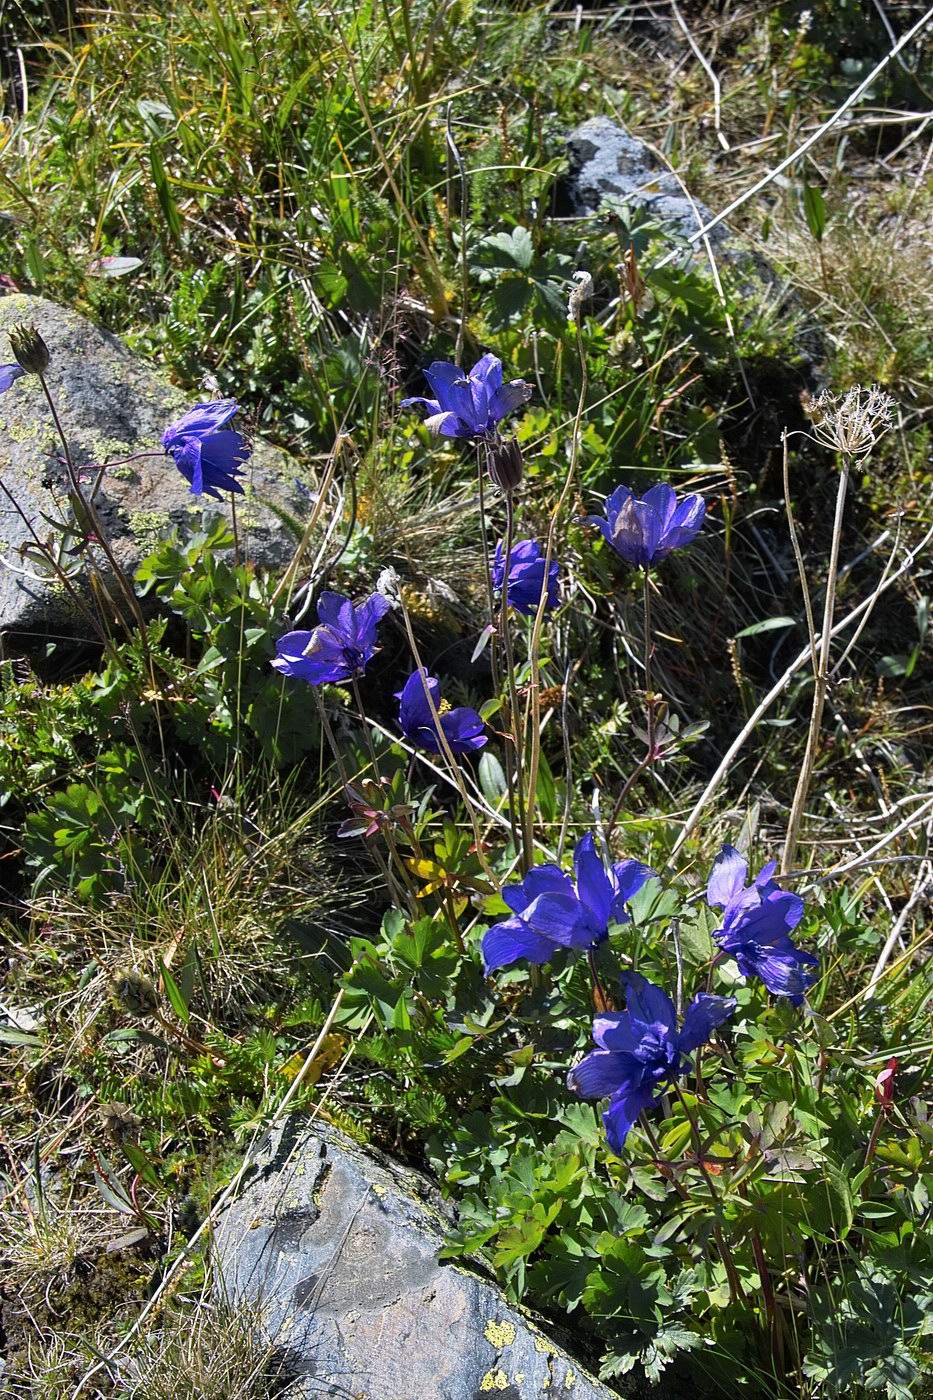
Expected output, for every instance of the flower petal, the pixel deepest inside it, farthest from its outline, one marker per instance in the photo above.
(623, 1110)
(703, 1015)
(564, 919)
(451, 389)
(510, 940)
(9, 375)
(727, 877)
(509, 399)
(541, 879)
(594, 887)
(600, 1073)
(648, 1003)
(464, 729)
(628, 878)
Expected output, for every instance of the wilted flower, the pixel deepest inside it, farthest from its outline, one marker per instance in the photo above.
(207, 452)
(851, 423)
(640, 1050)
(551, 911)
(505, 465)
(642, 531)
(756, 925)
(462, 728)
(29, 350)
(469, 405)
(372, 810)
(340, 647)
(580, 293)
(526, 575)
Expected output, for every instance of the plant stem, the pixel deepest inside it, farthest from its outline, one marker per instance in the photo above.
(523, 830)
(821, 680)
(649, 696)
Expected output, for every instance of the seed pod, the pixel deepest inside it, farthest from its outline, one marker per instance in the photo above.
(135, 993)
(505, 465)
(29, 349)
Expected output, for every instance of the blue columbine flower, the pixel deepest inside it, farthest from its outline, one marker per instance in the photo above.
(9, 375)
(756, 925)
(469, 405)
(340, 647)
(207, 452)
(551, 913)
(463, 728)
(526, 575)
(642, 531)
(641, 1049)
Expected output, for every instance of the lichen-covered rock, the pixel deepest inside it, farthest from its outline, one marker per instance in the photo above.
(111, 404)
(338, 1247)
(605, 162)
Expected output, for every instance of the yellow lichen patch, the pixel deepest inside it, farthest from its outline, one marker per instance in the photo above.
(569, 1380)
(494, 1380)
(541, 1345)
(499, 1334)
(380, 1190)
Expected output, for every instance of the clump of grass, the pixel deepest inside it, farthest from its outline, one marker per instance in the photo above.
(212, 1349)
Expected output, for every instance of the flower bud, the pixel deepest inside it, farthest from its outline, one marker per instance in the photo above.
(505, 465)
(29, 349)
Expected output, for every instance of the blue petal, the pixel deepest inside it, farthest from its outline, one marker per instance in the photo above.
(9, 375)
(616, 1031)
(564, 919)
(335, 610)
(451, 389)
(464, 729)
(628, 877)
(601, 1073)
(201, 420)
(662, 500)
(488, 371)
(224, 451)
(594, 887)
(508, 399)
(727, 878)
(648, 1003)
(367, 616)
(512, 939)
(414, 709)
(685, 524)
(635, 533)
(623, 1110)
(446, 424)
(704, 1014)
(541, 879)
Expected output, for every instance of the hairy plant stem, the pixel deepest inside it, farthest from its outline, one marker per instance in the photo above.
(398, 894)
(387, 831)
(649, 695)
(534, 649)
(90, 518)
(445, 748)
(600, 1000)
(482, 463)
(515, 716)
(821, 679)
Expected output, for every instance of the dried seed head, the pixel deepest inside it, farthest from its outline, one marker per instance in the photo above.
(119, 1121)
(505, 465)
(29, 349)
(851, 423)
(580, 293)
(132, 991)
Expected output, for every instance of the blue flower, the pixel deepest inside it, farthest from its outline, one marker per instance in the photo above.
(756, 925)
(207, 452)
(463, 728)
(526, 575)
(642, 531)
(340, 648)
(9, 375)
(641, 1049)
(551, 913)
(469, 405)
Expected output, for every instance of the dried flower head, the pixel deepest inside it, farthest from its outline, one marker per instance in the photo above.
(853, 422)
(134, 992)
(504, 461)
(29, 349)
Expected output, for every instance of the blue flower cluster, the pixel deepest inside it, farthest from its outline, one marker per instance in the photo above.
(640, 1050)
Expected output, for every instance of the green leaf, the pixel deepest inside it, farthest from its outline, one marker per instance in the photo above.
(174, 994)
(770, 624)
(164, 193)
(814, 207)
(492, 779)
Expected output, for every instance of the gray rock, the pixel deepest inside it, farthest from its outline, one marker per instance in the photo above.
(337, 1247)
(111, 404)
(605, 162)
